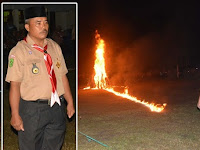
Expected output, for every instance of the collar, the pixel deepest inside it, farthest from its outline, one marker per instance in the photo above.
(31, 42)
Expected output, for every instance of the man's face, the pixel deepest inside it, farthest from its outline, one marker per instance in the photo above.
(38, 27)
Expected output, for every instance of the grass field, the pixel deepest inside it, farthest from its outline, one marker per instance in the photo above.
(125, 125)
(10, 137)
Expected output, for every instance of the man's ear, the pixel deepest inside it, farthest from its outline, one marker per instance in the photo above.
(26, 27)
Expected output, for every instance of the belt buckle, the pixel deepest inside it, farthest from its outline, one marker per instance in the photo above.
(49, 102)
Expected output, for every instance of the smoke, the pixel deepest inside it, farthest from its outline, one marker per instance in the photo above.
(146, 56)
(124, 65)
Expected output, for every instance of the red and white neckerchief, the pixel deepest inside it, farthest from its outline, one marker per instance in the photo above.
(50, 70)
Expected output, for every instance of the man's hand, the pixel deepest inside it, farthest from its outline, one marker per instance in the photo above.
(198, 104)
(68, 97)
(70, 110)
(17, 123)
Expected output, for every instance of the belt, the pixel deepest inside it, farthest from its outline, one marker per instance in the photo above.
(47, 101)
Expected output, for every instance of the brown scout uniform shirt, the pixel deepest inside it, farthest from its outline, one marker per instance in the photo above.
(35, 84)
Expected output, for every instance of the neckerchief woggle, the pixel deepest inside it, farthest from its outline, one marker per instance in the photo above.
(51, 73)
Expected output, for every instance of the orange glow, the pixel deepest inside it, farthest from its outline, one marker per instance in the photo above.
(100, 78)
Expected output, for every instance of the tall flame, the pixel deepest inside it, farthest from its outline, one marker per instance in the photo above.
(99, 66)
(101, 77)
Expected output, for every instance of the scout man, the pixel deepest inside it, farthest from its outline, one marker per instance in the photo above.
(38, 86)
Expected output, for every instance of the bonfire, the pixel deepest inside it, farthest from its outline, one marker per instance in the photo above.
(101, 79)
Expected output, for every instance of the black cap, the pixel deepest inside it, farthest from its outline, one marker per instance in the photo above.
(33, 12)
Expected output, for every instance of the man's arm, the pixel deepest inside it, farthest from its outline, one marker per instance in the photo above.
(68, 97)
(198, 103)
(14, 98)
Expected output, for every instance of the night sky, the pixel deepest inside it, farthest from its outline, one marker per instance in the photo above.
(139, 35)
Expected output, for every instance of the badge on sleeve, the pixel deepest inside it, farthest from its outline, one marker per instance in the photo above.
(11, 60)
(35, 69)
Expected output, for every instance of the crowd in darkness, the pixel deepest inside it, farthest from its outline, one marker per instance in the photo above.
(63, 37)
